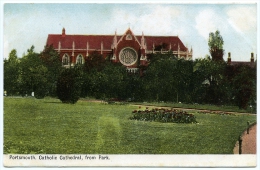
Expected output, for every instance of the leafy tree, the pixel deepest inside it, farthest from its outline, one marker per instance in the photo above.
(209, 84)
(216, 43)
(69, 85)
(168, 78)
(158, 56)
(183, 73)
(11, 73)
(134, 87)
(86, 89)
(244, 83)
(114, 76)
(95, 61)
(33, 74)
(110, 82)
(51, 60)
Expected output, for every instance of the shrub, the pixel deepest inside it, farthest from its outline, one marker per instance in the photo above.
(163, 115)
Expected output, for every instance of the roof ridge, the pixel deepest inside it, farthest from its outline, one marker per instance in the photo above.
(117, 35)
(83, 34)
(159, 35)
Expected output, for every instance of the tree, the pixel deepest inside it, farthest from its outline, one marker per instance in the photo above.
(95, 61)
(51, 60)
(110, 82)
(209, 83)
(92, 67)
(167, 79)
(114, 84)
(244, 83)
(216, 43)
(69, 85)
(33, 74)
(11, 73)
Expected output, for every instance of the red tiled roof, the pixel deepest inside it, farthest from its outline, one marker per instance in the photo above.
(94, 41)
(80, 41)
(172, 41)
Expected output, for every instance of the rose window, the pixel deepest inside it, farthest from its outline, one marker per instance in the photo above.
(128, 56)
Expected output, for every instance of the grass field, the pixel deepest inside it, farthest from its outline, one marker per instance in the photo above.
(33, 126)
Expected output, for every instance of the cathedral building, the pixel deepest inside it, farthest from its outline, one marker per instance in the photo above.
(128, 49)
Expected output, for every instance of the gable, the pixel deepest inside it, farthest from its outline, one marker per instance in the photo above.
(128, 36)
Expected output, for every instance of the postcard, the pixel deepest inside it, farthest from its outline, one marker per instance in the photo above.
(136, 84)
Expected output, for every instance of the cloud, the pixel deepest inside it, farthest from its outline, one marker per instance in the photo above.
(208, 21)
(158, 21)
(242, 19)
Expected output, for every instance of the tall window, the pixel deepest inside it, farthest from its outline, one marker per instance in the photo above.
(79, 59)
(65, 60)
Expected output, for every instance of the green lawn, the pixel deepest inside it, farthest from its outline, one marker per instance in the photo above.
(49, 126)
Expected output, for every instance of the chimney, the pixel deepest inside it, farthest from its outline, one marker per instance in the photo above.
(229, 58)
(63, 32)
(252, 58)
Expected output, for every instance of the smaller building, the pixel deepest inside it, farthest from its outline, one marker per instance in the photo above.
(250, 63)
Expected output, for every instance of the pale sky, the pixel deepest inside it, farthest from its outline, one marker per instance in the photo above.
(27, 24)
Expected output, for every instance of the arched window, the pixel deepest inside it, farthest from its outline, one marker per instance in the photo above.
(65, 60)
(79, 59)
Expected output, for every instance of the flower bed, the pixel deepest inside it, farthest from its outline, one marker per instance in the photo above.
(163, 115)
